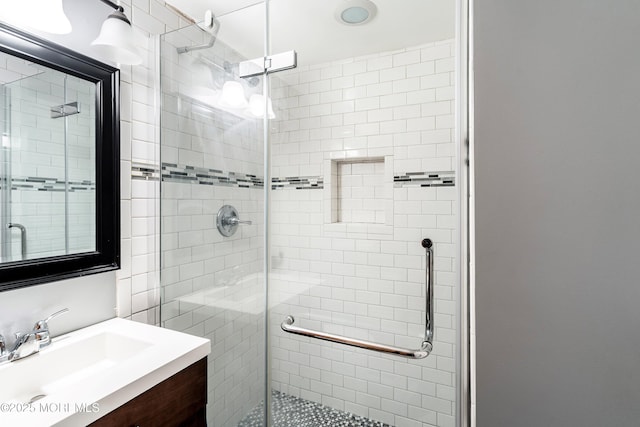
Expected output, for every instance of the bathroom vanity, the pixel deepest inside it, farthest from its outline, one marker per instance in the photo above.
(180, 400)
(116, 372)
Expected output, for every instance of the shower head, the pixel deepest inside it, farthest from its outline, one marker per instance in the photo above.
(211, 23)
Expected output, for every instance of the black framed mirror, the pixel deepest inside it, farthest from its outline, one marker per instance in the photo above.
(59, 162)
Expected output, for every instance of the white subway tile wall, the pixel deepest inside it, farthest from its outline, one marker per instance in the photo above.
(138, 287)
(212, 286)
(366, 279)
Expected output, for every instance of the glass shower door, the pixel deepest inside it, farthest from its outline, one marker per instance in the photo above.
(34, 225)
(364, 168)
(212, 209)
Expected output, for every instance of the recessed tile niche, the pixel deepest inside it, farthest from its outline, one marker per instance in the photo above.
(359, 191)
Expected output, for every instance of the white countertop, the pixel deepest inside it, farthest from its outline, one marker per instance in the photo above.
(98, 368)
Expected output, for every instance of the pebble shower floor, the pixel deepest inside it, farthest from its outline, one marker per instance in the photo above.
(290, 411)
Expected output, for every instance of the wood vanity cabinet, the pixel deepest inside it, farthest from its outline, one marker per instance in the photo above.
(180, 400)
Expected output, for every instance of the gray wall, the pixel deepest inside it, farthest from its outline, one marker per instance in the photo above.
(557, 209)
(90, 299)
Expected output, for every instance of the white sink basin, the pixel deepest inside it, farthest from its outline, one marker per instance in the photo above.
(85, 374)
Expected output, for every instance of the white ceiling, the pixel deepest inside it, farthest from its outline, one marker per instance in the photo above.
(310, 28)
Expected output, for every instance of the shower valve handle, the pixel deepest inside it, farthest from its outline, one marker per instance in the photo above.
(235, 220)
(227, 220)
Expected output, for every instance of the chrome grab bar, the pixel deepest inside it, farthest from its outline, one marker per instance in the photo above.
(424, 350)
(23, 237)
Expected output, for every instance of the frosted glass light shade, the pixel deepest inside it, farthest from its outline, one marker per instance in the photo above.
(256, 106)
(114, 42)
(233, 95)
(41, 15)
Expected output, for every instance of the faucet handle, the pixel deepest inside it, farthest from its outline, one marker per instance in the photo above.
(43, 324)
(41, 328)
(56, 314)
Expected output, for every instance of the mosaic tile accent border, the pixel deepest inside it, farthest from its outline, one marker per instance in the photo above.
(182, 173)
(425, 179)
(298, 183)
(290, 411)
(173, 172)
(48, 184)
(144, 171)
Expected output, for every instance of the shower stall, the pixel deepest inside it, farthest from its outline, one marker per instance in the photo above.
(313, 211)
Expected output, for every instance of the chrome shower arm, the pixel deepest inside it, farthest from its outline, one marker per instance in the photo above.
(214, 24)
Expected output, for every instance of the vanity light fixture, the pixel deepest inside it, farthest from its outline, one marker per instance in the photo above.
(115, 41)
(41, 15)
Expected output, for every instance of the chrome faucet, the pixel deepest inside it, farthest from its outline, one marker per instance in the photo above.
(25, 345)
(30, 342)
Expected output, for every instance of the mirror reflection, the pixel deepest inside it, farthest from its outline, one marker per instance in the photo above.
(47, 162)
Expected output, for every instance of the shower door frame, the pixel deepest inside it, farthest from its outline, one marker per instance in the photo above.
(465, 414)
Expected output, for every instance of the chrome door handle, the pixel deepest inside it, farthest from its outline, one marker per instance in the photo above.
(427, 244)
(427, 344)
